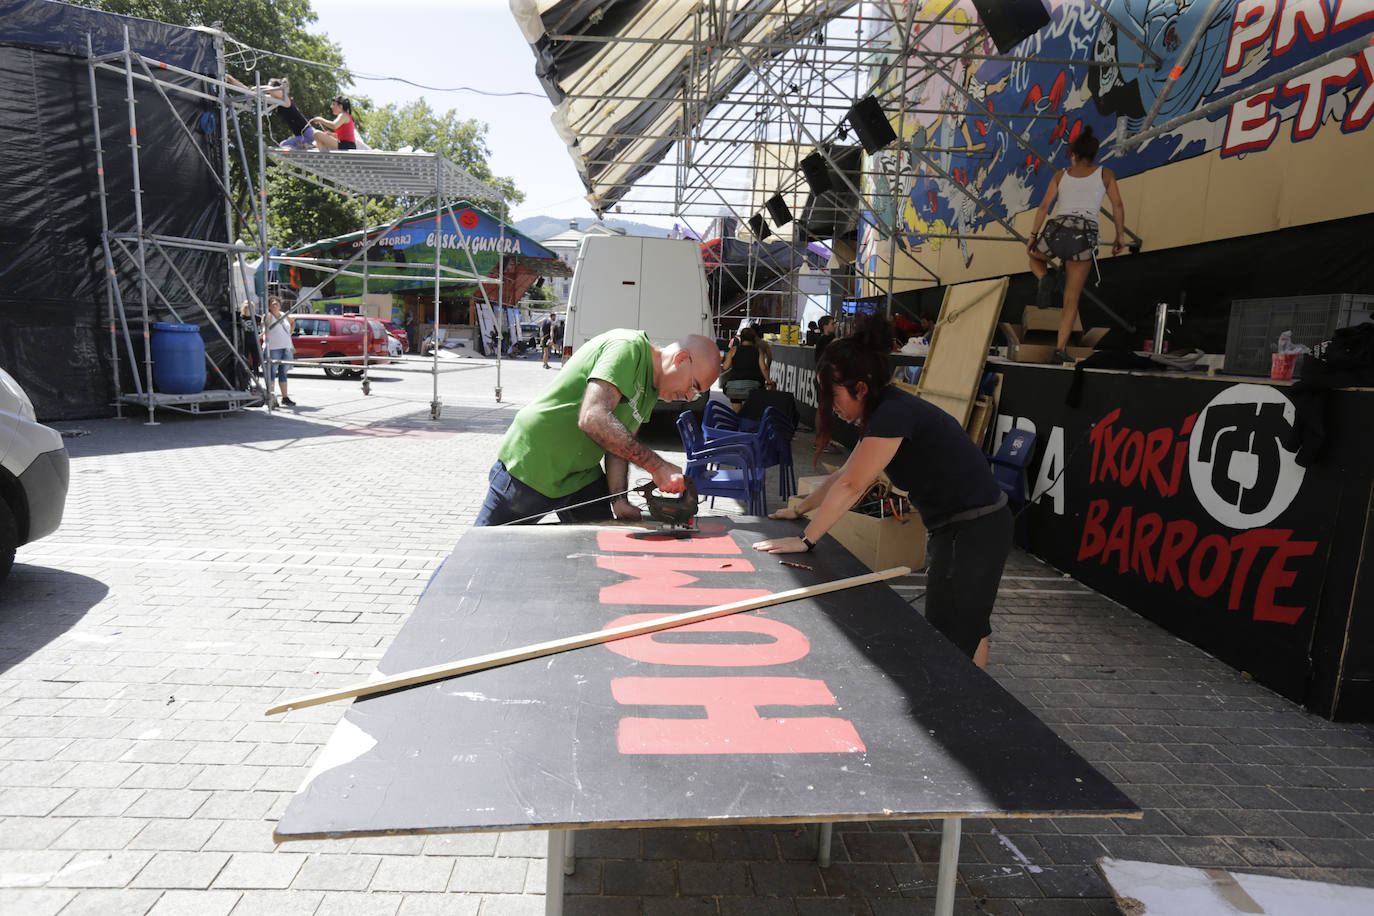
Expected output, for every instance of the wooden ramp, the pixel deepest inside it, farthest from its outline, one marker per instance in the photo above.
(959, 346)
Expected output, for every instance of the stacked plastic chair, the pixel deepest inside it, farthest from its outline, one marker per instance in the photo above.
(726, 468)
(771, 442)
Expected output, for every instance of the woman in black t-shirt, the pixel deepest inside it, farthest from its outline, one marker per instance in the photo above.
(925, 452)
(746, 365)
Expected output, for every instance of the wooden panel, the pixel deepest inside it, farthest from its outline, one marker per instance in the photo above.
(959, 346)
(843, 707)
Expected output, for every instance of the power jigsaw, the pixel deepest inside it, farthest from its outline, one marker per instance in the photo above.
(676, 514)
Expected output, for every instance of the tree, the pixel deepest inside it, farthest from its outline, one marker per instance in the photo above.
(261, 31)
(540, 294)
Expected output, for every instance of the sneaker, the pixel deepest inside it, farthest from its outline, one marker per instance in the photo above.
(1060, 358)
(288, 402)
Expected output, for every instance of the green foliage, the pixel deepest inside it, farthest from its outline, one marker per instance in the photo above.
(300, 212)
(539, 294)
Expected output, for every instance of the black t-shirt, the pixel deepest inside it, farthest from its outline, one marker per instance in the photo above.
(937, 463)
(292, 117)
(745, 365)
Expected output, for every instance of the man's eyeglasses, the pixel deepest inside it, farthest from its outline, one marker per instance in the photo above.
(696, 389)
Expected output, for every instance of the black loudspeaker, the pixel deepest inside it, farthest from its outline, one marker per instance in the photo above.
(777, 208)
(869, 121)
(759, 227)
(1010, 22)
(833, 213)
(817, 173)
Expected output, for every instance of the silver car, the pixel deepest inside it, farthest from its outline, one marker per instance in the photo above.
(34, 470)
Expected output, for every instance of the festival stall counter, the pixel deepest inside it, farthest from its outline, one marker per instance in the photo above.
(1181, 496)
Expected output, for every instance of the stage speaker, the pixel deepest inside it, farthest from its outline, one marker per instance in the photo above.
(869, 121)
(817, 173)
(777, 208)
(1010, 22)
(759, 226)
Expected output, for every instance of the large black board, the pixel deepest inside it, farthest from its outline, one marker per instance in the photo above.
(594, 737)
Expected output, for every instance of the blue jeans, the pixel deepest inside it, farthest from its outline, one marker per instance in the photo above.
(509, 500)
(279, 358)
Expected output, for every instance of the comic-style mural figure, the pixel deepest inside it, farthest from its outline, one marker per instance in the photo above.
(993, 132)
(1164, 27)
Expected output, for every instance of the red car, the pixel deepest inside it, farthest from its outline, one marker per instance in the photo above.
(334, 336)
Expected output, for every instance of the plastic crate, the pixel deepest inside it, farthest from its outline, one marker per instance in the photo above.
(1256, 324)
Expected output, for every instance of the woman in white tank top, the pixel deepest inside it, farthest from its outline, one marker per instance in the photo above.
(1079, 190)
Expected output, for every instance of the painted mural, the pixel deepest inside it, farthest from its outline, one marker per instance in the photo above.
(991, 133)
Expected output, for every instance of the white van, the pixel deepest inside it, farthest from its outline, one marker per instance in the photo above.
(34, 470)
(624, 281)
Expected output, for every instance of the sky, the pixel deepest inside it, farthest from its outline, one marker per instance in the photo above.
(469, 43)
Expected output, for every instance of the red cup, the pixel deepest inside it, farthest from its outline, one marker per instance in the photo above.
(1281, 368)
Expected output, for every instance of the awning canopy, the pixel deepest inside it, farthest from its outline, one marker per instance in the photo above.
(471, 244)
(630, 79)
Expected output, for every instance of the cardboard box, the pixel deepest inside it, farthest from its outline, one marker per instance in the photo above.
(1038, 319)
(880, 543)
(1026, 345)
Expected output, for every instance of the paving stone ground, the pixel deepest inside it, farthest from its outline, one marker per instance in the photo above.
(209, 566)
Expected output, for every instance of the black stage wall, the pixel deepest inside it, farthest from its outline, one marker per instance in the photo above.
(54, 320)
(1175, 494)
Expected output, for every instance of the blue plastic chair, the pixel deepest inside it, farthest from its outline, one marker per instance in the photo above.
(1009, 465)
(780, 433)
(719, 416)
(771, 445)
(728, 469)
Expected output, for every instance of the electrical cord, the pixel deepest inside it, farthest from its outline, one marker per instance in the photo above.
(252, 54)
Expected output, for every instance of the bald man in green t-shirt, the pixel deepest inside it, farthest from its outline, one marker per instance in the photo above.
(551, 456)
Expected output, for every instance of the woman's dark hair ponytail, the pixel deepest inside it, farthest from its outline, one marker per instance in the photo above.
(1084, 146)
(859, 357)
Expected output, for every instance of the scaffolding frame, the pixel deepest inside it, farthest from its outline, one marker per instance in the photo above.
(791, 83)
(132, 249)
(423, 177)
(418, 175)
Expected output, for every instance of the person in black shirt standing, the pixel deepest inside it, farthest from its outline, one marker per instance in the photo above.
(825, 333)
(925, 452)
(747, 367)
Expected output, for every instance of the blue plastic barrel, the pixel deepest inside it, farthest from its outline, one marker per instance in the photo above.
(178, 358)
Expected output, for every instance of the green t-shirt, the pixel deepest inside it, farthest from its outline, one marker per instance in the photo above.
(544, 448)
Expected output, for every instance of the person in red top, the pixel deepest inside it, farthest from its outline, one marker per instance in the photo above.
(340, 132)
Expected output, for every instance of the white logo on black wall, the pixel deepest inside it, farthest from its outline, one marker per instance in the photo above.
(1239, 468)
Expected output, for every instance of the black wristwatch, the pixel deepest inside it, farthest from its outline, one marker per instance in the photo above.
(810, 544)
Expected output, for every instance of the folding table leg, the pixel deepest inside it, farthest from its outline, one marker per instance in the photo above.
(823, 844)
(553, 880)
(949, 867)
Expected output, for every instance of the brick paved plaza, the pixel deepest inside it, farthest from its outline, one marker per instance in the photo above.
(208, 567)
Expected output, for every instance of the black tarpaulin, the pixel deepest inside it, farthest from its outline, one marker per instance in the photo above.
(54, 320)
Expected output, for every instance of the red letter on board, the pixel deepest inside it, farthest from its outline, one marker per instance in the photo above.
(732, 724)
